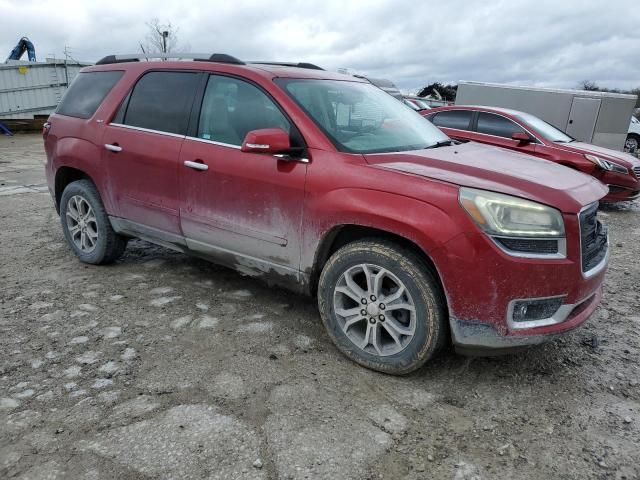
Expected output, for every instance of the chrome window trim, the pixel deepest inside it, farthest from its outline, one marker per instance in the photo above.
(561, 253)
(605, 260)
(147, 130)
(220, 144)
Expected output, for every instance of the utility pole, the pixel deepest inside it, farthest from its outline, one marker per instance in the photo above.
(164, 34)
(66, 70)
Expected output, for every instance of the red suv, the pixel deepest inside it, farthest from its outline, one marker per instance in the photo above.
(528, 134)
(325, 184)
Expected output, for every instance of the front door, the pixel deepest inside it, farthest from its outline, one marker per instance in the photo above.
(245, 209)
(142, 149)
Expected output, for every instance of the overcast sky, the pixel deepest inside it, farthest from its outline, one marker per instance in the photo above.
(530, 42)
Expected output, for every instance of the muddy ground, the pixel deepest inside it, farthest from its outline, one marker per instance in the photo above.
(165, 366)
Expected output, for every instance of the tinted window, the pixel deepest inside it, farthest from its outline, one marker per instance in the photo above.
(231, 108)
(162, 101)
(459, 119)
(87, 92)
(496, 125)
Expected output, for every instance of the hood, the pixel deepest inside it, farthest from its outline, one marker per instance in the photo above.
(499, 170)
(621, 158)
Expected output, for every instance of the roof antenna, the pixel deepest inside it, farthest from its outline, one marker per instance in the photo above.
(143, 52)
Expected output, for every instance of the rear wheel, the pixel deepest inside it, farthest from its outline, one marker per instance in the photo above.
(86, 225)
(382, 307)
(631, 144)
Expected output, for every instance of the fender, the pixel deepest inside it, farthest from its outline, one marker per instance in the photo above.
(87, 157)
(425, 224)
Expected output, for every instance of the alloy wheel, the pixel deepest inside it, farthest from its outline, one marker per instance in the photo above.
(374, 309)
(82, 224)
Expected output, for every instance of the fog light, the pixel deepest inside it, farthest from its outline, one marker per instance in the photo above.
(529, 310)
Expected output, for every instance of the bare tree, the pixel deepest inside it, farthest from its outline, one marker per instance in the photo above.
(588, 85)
(161, 37)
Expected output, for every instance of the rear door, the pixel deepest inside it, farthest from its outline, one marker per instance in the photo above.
(455, 123)
(245, 209)
(142, 148)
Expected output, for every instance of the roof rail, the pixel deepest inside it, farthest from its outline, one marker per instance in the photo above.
(202, 57)
(310, 66)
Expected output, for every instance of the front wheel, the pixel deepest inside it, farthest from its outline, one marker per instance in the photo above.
(86, 225)
(382, 307)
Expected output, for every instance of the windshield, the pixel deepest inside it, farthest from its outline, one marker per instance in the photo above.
(361, 118)
(546, 131)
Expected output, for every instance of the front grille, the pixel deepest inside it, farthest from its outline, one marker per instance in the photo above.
(530, 245)
(593, 238)
(636, 170)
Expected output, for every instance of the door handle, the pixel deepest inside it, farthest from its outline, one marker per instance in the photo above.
(196, 165)
(113, 148)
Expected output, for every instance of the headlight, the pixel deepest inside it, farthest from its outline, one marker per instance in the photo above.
(606, 164)
(504, 215)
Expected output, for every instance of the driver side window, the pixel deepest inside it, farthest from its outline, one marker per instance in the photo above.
(231, 108)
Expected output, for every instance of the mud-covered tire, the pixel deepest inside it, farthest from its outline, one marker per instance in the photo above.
(108, 245)
(429, 324)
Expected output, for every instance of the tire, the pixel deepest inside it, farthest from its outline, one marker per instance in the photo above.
(632, 143)
(82, 214)
(397, 354)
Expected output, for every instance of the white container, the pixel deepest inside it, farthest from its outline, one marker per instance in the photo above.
(34, 88)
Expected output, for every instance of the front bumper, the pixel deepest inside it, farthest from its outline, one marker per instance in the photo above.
(621, 187)
(483, 339)
(483, 283)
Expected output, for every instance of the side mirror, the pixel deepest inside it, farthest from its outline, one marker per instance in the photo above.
(521, 137)
(266, 140)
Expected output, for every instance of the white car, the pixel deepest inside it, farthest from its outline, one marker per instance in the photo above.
(633, 137)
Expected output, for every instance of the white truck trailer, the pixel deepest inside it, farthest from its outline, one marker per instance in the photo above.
(600, 118)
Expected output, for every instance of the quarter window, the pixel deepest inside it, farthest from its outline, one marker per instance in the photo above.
(458, 119)
(162, 101)
(87, 92)
(497, 125)
(231, 108)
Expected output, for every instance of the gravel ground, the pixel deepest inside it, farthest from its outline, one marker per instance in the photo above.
(165, 366)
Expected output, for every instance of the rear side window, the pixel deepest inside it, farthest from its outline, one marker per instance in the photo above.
(459, 119)
(491, 124)
(162, 101)
(87, 92)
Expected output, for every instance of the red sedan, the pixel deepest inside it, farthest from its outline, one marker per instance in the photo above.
(528, 134)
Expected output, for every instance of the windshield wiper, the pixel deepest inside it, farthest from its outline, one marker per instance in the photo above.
(442, 143)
